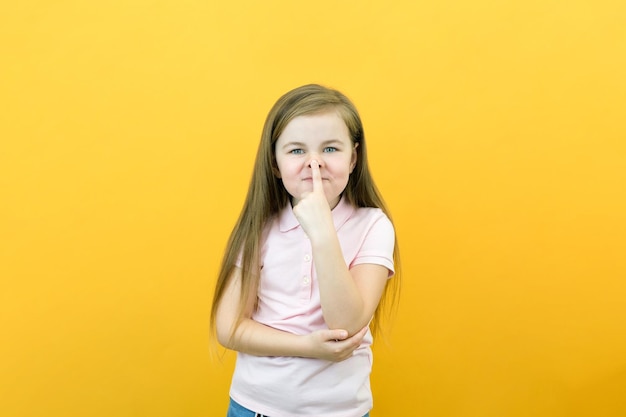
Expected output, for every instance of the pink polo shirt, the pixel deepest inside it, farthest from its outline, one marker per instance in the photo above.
(289, 300)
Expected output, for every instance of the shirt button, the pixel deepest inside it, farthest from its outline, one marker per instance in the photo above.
(307, 258)
(306, 280)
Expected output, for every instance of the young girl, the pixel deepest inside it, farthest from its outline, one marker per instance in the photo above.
(307, 266)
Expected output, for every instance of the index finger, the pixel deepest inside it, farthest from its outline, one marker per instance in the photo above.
(316, 175)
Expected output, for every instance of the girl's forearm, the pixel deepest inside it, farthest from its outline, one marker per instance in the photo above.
(250, 336)
(342, 303)
(257, 339)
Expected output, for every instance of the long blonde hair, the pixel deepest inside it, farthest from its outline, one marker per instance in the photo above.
(267, 195)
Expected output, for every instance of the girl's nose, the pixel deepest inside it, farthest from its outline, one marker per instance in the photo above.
(315, 158)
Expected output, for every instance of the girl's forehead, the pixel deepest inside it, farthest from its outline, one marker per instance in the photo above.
(316, 112)
(315, 125)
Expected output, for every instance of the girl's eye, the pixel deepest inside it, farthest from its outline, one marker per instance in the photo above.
(296, 151)
(330, 149)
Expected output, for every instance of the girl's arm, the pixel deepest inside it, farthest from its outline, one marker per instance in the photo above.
(349, 297)
(254, 338)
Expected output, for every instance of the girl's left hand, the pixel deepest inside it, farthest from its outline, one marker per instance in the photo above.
(313, 211)
(334, 345)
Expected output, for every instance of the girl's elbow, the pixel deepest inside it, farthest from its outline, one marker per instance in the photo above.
(352, 327)
(353, 331)
(224, 335)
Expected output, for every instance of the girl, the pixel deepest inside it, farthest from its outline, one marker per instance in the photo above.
(306, 268)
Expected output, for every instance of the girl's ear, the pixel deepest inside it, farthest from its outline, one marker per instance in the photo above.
(354, 157)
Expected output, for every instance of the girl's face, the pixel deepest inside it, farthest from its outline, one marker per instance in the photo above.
(323, 137)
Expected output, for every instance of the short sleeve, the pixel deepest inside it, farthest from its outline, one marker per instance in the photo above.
(378, 244)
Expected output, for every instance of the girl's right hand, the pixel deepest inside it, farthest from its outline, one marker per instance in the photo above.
(334, 345)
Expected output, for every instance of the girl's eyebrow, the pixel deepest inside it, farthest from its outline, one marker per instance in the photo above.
(293, 143)
(332, 142)
(303, 145)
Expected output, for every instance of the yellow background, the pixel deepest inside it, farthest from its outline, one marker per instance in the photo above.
(496, 129)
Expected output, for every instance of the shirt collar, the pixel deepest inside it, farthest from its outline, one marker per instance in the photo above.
(341, 213)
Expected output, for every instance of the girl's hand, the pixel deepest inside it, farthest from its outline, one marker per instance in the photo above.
(334, 345)
(313, 210)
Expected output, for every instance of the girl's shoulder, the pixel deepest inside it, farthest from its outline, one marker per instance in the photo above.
(369, 212)
(368, 217)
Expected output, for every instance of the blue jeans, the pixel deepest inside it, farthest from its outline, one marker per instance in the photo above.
(237, 410)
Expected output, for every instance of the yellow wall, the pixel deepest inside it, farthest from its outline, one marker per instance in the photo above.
(497, 135)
